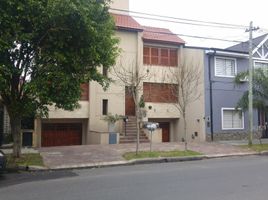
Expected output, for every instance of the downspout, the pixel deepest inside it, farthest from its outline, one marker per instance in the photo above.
(210, 54)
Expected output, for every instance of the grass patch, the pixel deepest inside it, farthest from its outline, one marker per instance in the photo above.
(159, 154)
(257, 147)
(24, 160)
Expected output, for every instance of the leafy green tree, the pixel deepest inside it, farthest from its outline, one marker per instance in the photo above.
(47, 49)
(260, 89)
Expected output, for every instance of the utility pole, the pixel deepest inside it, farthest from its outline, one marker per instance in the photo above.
(250, 95)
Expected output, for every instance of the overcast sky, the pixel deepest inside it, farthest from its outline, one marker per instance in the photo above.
(227, 11)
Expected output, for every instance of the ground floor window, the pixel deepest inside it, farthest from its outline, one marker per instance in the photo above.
(232, 119)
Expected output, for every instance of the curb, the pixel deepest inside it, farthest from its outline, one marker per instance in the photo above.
(140, 162)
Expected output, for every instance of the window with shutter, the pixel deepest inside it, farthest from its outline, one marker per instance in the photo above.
(261, 65)
(146, 55)
(173, 58)
(159, 92)
(225, 67)
(85, 92)
(154, 56)
(164, 57)
(232, 119)
(160, 56)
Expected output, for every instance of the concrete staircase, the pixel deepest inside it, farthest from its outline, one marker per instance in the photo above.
(131, 133)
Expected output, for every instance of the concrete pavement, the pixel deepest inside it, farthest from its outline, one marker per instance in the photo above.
(109, 155)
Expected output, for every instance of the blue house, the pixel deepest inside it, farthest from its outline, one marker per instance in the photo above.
(223, 121)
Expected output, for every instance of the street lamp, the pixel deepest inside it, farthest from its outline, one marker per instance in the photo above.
(125, 120)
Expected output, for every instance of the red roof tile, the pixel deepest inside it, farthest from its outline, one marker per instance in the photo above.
(161, 35)
(126, 22)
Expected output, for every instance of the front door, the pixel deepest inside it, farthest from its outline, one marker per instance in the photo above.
(165, 131)
(263, 122)
(129, 103)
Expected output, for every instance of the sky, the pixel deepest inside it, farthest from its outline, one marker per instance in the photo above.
(227, 11)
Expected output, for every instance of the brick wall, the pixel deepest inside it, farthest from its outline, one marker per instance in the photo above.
(159, 93)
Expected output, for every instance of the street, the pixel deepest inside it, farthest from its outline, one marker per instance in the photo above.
(217, 179)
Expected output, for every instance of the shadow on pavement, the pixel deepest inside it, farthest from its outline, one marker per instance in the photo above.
(8, 179)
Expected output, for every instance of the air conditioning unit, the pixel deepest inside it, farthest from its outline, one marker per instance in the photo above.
(245, 79)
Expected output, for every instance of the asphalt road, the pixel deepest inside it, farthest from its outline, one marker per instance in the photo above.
(227, 178)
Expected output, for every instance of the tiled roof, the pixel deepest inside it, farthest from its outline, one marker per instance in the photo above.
(126, 22)
(153, 34)
(161, 35)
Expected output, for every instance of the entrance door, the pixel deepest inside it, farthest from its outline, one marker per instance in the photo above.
(263, 121)
(27, 139)
(129, 103)
(165, 131)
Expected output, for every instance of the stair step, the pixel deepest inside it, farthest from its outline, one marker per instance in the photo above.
(132, 137)
(131, 132)
(133, 141)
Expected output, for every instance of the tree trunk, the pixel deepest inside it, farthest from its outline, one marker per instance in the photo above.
(138, 129)
(15, 123)
(185, 131)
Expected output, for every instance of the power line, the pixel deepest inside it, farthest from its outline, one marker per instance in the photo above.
(207, 24)
(184, 20)
(194, 36)
(186, 23)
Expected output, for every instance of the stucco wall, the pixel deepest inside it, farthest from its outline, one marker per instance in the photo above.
(81, 112)
(120, 4)
(115, 94)
(100, 138)
(162, 110)
(225, 94)
(195, 112)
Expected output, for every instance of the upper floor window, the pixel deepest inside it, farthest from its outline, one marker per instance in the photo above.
(261, 65)
(225, 67)
(160, 56)
(85, 92)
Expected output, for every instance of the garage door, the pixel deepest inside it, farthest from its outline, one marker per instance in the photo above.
(61, 134)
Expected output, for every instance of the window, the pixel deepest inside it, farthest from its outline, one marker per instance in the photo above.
(160, 56)
(104, 106)
(261, 65)
(225, 67)
(85, 92)
(232, 119)
(105, 71)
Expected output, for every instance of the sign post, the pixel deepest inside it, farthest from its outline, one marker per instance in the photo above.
(151, 127)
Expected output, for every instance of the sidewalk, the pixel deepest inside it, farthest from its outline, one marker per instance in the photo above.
(110, 155)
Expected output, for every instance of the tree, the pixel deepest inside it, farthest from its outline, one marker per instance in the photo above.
(259, 90)
(131, 76)
(48, 48)
(185, 87)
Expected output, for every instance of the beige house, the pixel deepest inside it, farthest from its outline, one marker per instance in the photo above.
(153, 51)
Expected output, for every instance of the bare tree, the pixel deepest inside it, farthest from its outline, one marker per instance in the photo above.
(186, 79)
(132, 76)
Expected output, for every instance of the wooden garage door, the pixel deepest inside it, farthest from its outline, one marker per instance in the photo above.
(61, 134)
